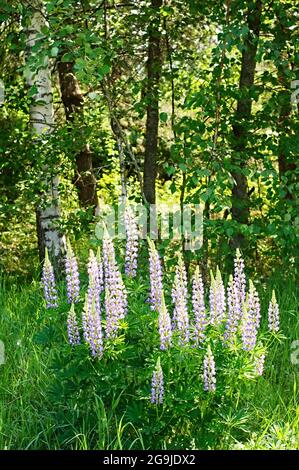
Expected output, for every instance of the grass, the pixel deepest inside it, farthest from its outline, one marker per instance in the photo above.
(29, 419)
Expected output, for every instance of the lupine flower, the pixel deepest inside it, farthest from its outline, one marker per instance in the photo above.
(209, 371)
(179, 298)
(156, 285)
(94, 283)
(72, 327)
(273, 314)
(157, 385)
(108, 255)
(217, 299)
(233, 312)
(100, 269)
(199, 308)
(165, 330)
(115, 292)
(72, 276)
(259, 364)
(92, 327)
(132, 243)
(48, 281)
(251, 318)
(239, 277)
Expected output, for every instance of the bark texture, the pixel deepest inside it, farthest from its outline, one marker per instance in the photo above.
(154, 63)
(42, 122)
(73, 100)
(240, 197)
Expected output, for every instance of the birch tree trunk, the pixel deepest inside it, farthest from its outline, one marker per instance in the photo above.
(42, 122)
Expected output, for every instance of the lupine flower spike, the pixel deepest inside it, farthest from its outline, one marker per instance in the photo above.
(165, 330)
(251, 318)
(233, 312)
(209, 372)
(72, 276)
(273, 314)
(217, 299)
(179, 298)
(132, 243)
(72, 327)
(94, 284)
(239, 278)
(199, 309)
(92, 328)
(115, 292)
(156, 285)
(259, 364)
(48, 281)
(157, 394)
(100, 269)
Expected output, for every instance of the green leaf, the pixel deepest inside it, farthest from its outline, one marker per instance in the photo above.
(163, 117)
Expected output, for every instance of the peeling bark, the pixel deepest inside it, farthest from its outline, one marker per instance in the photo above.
(42, 122)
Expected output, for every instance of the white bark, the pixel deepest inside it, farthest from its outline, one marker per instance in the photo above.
(42, 122)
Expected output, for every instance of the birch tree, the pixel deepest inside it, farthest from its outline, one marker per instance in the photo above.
(42, 122)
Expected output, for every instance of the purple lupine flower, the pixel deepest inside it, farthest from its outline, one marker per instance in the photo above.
(48, 282)
(259, 364)
(273, 314)
(180, 299)
(131, 258)
(233, 312)
(157, 393)
(251, 318)
(165, 330)
(217, 299)
(100, 269)
(72, 327)
(72, 276)
(199, 309)
(239, 277)
(209, 372)
(94, 282)
(115, 292)
(108, 255)
(156, 285)
(92, 327)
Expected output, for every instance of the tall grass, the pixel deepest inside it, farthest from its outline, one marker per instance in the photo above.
(30, 420)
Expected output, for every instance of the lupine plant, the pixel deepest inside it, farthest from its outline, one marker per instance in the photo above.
(209, 372)
(115, 291)
(165, 329)
(131, 258)
(273, 314)
(72, 327)
(180, 300)
(72, 276)
(156, 284)
(194, 345)
(217, 299)
(157, 384)
(199, 309)
(48, 282)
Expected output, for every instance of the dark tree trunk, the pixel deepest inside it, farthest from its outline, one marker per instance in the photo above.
(73, 99)
(240, 197)
(286, 163)
(152, 114)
